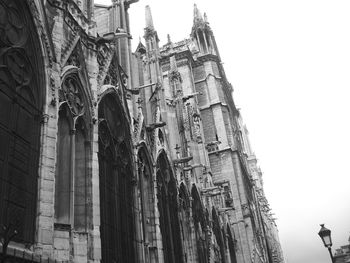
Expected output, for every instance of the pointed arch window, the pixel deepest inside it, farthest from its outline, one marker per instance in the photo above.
(185, 226)
(220, 250)
(168, 212)
(73, 149)
(200, 225)
(22, 95)
(117, 204)
(146, 196)
(231, 245)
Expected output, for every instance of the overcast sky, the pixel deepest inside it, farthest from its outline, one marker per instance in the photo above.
(289, 64)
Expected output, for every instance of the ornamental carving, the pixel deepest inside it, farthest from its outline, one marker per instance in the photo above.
(74, 58)
(71, 94)
(197, 127)
(123, 78)
(112, 76)
(175, 75)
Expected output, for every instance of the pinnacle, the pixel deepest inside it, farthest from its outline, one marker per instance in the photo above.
(169, 39)
(149, 20)
(197, 16)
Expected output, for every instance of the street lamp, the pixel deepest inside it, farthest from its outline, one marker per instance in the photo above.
(325, 235)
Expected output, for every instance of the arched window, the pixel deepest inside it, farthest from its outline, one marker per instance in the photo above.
(63, 167)
(220, 250)
(21, 101)
(73, 149)
(168, 212)
(185, 227)
(118, 235)
(231, 245)
(146, 196)
(200, 226)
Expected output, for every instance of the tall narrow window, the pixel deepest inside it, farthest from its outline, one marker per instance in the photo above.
(21, 100)
(80, 176)
(118, 236)
(219, 250)
(231, 245)
(63, 168)
(185, 226)
(168, 212)
(146, 196)
(200, 226)
(72, 153)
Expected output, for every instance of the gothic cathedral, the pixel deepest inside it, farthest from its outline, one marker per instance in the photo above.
(113, 156)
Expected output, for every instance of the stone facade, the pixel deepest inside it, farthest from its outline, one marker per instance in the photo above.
(113, 156)
(342, 254)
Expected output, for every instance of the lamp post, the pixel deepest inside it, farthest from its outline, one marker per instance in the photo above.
(325, 235)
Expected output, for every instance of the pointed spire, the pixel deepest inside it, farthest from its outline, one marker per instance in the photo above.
(149, 20)
(197, 16)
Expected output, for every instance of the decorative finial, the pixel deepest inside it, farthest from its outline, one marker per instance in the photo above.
(139, 102)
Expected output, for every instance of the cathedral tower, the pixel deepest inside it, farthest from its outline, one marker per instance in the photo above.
(207, 141)
(202, 34)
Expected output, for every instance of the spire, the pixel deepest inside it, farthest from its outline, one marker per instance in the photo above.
(197, 16)
(149, 20)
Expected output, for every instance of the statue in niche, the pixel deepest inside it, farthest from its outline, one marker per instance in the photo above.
(197, 127)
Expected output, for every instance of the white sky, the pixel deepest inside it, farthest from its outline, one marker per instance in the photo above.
(289, 64)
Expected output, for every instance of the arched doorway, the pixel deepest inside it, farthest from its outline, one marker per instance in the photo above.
(21, 103)
(116, 184)
(168, 211)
